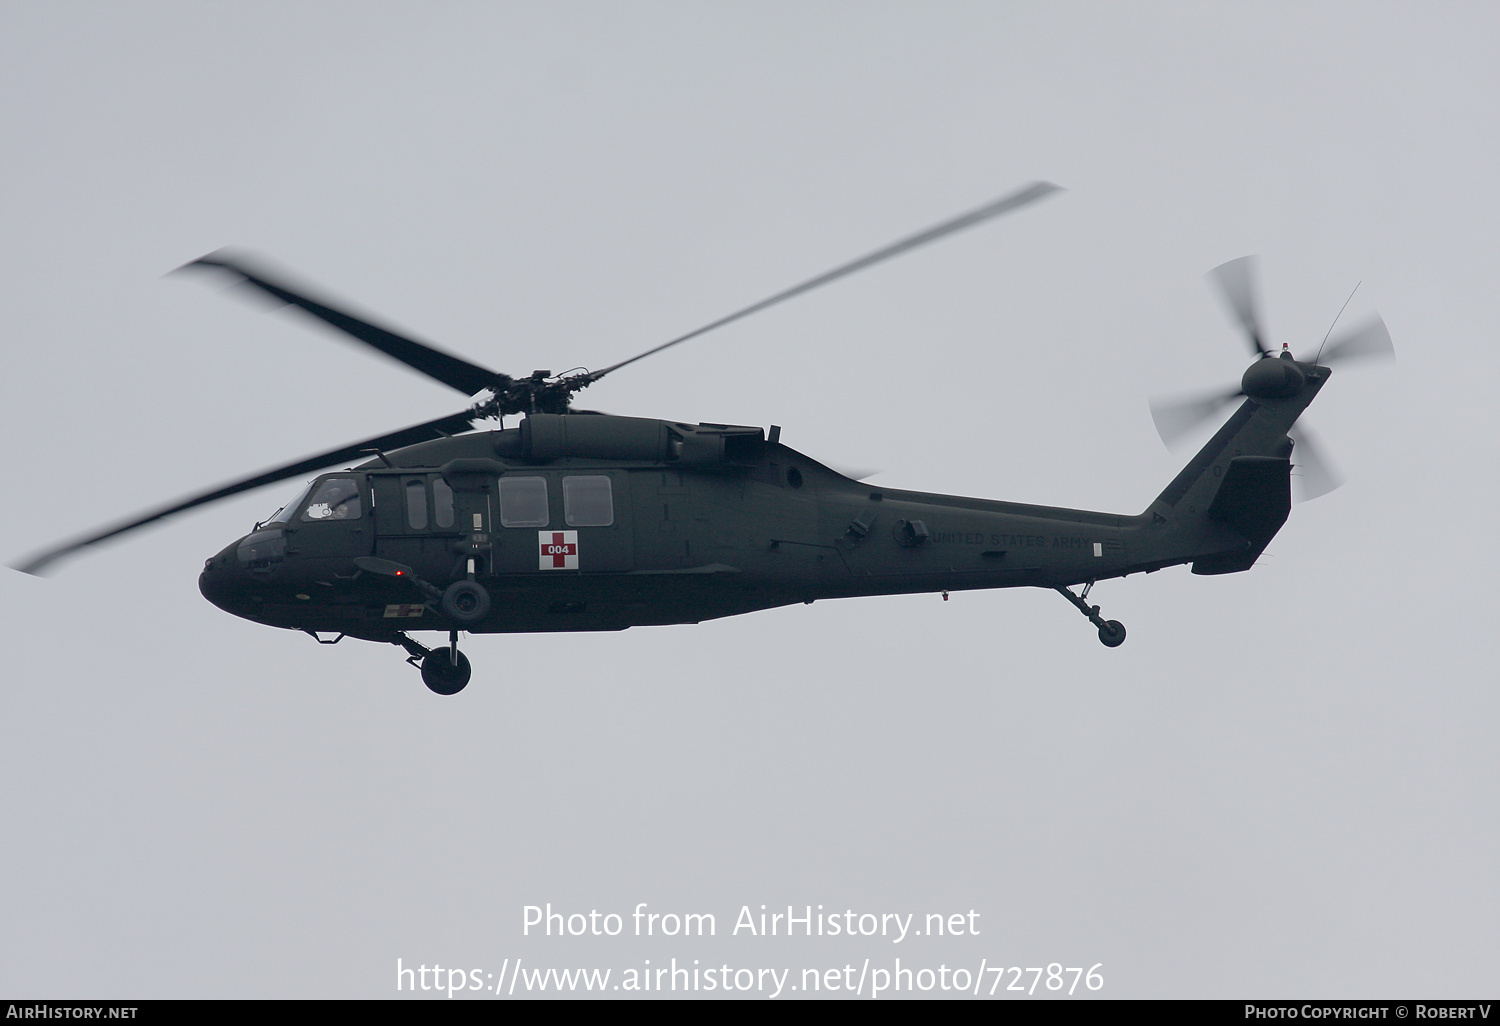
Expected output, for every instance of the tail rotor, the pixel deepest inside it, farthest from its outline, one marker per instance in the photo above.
(1177, 417)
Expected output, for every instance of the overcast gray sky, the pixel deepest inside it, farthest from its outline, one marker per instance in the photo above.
(1283, 784)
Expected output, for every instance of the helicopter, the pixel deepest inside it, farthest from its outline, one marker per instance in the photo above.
(581, 521)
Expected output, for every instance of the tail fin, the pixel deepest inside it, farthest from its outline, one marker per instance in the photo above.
(1228, 503)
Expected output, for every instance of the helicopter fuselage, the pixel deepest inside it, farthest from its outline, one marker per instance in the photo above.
(594, 523)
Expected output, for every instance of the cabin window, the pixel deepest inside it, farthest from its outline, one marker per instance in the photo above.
(442, 503)
(334, 499)
(416, 505)
(588, 501)
(523, 502)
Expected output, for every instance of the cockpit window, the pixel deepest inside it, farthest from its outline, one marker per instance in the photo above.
(337, 498)
(262, 548)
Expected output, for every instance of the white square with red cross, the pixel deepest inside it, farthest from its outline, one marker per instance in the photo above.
(559, 550)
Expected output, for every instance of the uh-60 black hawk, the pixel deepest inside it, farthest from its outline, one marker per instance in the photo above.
(576, 521)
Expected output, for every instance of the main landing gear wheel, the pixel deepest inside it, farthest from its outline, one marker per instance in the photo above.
(1112, 634)
(466, 602)
(442, 675)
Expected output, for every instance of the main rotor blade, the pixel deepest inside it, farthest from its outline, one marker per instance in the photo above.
(1315, 475)
(451, 370)
(1239, 293)
(394, 440)
(853, 473)
(1176, 417)
(1371, 339)
(1020, 198)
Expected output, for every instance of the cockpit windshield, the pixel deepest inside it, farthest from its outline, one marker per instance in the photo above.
(284, 514)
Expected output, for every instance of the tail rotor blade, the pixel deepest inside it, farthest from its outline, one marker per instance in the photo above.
(1314, 475)
(1371, 340)
(1174, 418)
(1235, 285)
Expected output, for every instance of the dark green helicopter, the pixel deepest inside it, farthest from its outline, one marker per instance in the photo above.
(577, 521)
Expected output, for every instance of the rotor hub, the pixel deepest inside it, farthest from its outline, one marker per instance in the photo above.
(1273, 379)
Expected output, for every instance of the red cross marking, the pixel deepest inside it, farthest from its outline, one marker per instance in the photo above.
(558, 550)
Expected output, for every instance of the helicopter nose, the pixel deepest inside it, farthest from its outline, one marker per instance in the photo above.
(215, 584)
(225, 582)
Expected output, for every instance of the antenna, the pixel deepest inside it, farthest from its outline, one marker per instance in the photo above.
(1336, 320)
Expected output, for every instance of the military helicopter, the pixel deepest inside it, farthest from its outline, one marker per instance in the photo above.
(578, 521)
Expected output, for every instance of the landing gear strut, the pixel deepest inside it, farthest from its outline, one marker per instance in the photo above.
(445, 670)
(1111, 632)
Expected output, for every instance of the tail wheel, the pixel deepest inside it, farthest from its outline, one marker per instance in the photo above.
(444, 676)
(1112, 634)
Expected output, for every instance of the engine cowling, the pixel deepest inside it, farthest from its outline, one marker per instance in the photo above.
(545, 436)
